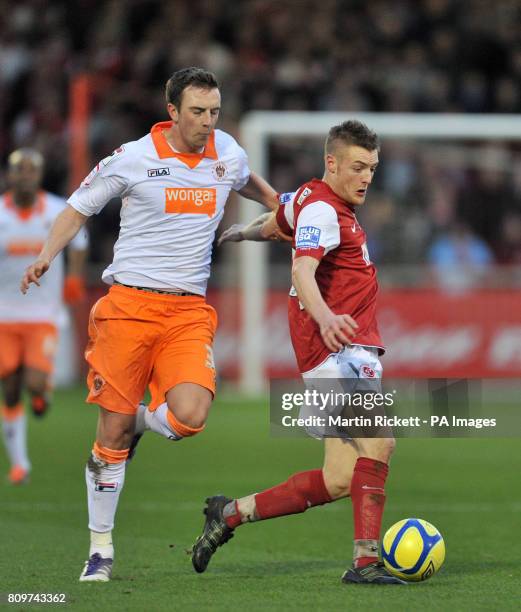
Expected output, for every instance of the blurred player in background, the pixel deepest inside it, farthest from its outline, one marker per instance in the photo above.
(28, 333)
(154, 327)
(334, 334)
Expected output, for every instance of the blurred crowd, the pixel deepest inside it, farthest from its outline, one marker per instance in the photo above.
(402, 56)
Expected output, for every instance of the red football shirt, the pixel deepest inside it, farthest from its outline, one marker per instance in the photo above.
(325, 227)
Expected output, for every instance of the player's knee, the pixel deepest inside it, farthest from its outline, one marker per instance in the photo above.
(380, 449)
(36, 382)
(190, 415)
(387, 448)
(36, 388)
(12, 398)
(190, 424)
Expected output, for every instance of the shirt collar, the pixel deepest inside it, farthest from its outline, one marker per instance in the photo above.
(164, 150)
(24, 214)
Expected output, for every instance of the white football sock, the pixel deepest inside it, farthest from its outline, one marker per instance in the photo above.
(141, 425)
(104, 484)
(157, 421)
(101, 543)
(15, 440)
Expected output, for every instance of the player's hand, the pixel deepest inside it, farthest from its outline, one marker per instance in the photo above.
(232, 234)
(33, 273)
(274, 234)
(337, 331)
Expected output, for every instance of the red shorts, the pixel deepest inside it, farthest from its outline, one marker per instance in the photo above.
(139, 338)
(32, 345)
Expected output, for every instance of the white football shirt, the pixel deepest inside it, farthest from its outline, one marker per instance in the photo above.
(172, 204)
(22, 235)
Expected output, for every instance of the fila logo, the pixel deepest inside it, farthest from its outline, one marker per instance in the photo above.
(158, 172)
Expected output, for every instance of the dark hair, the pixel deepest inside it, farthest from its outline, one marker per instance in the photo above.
(181, 79)
(352, 133)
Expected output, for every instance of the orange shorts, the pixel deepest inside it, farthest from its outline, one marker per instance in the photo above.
(32, 345)
(138, 338)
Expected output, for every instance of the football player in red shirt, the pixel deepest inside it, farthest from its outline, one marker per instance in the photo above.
(334, 333)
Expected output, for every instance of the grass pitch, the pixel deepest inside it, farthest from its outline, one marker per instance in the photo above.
(469, 489)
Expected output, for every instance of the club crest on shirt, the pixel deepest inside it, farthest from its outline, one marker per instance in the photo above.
(308, 237)
(219, 170)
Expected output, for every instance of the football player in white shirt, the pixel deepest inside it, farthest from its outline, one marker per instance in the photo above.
(28, 333)
(154, 327)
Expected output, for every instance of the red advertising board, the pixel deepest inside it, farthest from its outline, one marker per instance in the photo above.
(428, 333)
(469, 335)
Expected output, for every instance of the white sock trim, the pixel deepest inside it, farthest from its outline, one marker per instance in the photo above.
(157, 421)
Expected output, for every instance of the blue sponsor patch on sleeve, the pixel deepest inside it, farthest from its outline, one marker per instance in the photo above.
(308, 237)
(284, 198)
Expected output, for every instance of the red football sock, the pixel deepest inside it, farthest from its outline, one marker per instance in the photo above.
(368, 498)
(39, 404)
(300, 492)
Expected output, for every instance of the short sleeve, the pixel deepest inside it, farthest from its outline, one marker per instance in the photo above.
(317, 231)
(243, 171)
(107, 180)
(284, 213)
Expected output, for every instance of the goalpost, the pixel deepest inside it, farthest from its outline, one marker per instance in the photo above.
(256, 130)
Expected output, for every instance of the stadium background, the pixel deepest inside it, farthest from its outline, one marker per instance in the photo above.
(95, 71)
(78, 78)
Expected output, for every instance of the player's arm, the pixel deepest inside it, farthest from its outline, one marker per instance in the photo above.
(76, 262)
(74, 284)
(108, 179)
(65, 227)
(264, 227)
(336, 330)
(261, 191)
(239, 232)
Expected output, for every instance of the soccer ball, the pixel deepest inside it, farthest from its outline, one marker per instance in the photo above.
(413, 550)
